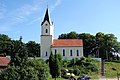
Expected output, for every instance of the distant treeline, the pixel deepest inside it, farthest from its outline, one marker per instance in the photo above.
(9, 46)
(100, 45)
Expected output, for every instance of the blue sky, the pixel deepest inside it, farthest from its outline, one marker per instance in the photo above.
(23, 17)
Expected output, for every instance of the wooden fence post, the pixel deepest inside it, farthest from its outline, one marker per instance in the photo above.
(118, 74)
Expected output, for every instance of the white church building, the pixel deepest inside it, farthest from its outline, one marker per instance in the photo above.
(68, 48)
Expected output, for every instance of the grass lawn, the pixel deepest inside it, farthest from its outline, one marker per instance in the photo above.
(96, 75)
(111, 69)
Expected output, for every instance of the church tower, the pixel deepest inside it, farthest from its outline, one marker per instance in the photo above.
(46, 36)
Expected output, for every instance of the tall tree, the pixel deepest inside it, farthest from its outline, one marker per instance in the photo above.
(51, 65)
(101, 45)
(5, 45)
(55, 65)
(19, 55)
(72, 35)
(33, 48)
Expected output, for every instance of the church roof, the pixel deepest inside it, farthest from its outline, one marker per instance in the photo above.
(46, 18)
(67, 43)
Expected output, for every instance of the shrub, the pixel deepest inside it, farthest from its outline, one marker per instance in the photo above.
(77, 72)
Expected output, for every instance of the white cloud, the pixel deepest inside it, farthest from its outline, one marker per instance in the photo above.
(19, 15)
(53, 6)
(25, 11)
(57, 3)
(35, 20)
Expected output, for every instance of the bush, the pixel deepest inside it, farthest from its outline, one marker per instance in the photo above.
(71, 70)
(77, 72)
(81, 66)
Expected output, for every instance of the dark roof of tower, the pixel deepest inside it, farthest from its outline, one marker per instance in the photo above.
(46, 18)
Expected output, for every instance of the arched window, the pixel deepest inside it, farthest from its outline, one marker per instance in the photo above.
(77, 52)
(55, 51)
(46, 54)
(63, 52)
(71, 53)
(46, 30)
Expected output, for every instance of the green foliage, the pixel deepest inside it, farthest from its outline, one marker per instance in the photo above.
(81, 66)
(101, 45)
(34, 70)
(57, 68)
(8, 46)
(18, 73)
(5, 45)
(33, 49)
(51, 64)
(110, 72)
(55, 65)
(19, 54)
(65, 63)
(41, 68)
(21, 68)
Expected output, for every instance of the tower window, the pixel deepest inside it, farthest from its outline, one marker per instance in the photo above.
(77, 52)
(46, 54)
(71, 53)
(63, 52)
(46, 30)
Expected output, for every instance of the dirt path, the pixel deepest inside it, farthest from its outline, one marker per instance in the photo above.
(106, 79)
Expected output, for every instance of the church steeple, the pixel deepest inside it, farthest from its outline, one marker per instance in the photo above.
(46, 17)
(47, 35)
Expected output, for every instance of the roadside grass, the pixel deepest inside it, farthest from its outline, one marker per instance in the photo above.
(111, 69)
(95, 75)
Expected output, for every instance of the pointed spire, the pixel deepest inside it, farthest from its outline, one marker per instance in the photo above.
(46, 18)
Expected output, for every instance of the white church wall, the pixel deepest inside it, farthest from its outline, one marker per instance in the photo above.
(67, 51)
(45, 46)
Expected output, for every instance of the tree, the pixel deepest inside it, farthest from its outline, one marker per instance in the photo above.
(101, 45)
(89, 43)
(41, 68)
(21, 68)
(34, 70)
(18, 68)
(72, 35)
(33, 49)
(19, 55)
(5, 45)
(107, 44)
(51, 65)
(63, 36)
(55, 65)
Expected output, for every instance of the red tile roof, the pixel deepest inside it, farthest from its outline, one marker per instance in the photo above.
(67, 43)
(4, 61)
